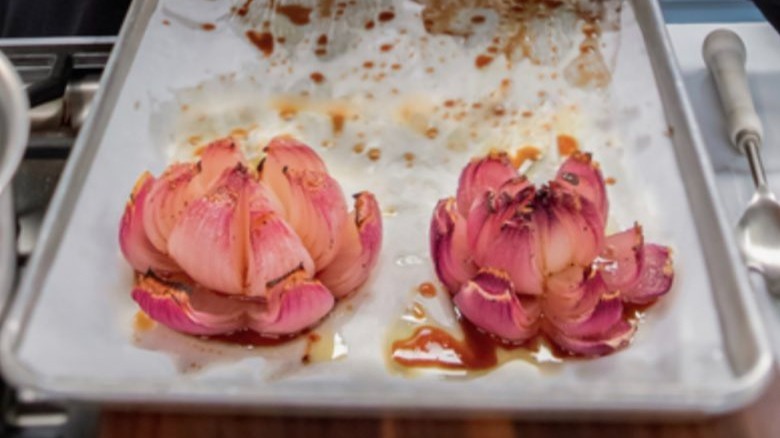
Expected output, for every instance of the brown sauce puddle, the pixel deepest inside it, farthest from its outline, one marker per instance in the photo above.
(477, 351)
(480, 351)
(248, 338)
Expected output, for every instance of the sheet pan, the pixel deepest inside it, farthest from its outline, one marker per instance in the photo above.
(69, 333)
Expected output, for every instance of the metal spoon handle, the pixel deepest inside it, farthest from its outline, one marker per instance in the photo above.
(756, 166)
(725, 55)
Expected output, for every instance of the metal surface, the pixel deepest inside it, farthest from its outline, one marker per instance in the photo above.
(14, 125)
(756, 165)
(54, 125)
(7, 248)
(740, 317)
(758, 230)
(24, 414)
(745, 342)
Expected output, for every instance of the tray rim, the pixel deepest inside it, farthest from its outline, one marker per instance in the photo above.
(7, 249)
(737, 393)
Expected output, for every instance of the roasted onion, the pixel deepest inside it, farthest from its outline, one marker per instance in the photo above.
(522, 261)
(218, 247)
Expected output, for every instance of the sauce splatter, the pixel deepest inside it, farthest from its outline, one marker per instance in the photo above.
(409, 158)
(239, 133)
(369, 24)
(322, 40)
(311, 340)
(610, 181)
(325, 8)
(478, 19)
(297, 14)
(251, 338)
(317, 77)
(524, 154)
(374, 154)
(567, 145)
(166, 22)
(244, 9)
(359, 148)
(337, 121)
(368, 64)
(386, 47)
(432, 132)
(385, 16)
(482, 61)
(208, 27)
(427, 289)
(262, 40)
(418, 311)
(142, 322)
(195, 140)
(287, 108)
(432, 347)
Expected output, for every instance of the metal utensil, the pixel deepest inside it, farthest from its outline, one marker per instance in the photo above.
(758, 231)
(14, 129)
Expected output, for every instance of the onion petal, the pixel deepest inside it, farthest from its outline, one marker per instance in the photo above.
(208, 240)
(655, 278)
(512, 189)
(614, 338)
(489, 301)
(621, 259)
(317, 211)
(217, 158)
(481, 175)
(296, 303)
(509, 241)
(166, 201)
(449, 251)
(358, 252)
(286, 152)
(581, 175)
(571, 295)
(195, 311)
(273, 248)
(135, 244)
(567, 238)
(593, 325)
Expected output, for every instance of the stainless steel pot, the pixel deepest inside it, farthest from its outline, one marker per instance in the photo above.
(14, 130)
(14, 122)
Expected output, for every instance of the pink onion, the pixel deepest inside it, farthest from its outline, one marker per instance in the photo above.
(136, 246)
(220, 248)
(522, 260)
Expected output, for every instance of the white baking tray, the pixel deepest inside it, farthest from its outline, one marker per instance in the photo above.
(69, 333)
